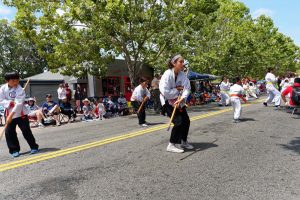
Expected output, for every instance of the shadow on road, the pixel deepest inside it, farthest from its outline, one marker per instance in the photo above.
(153, 124)
(247, 119)
(200, 147)
(294, 145)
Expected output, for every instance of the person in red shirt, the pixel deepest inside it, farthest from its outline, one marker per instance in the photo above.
(289, 91)
(68, 92)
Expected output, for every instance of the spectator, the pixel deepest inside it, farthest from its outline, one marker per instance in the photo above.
(78, 98)
(111, 106)
(66, 109)
(51, 108)
(294, 99)
(68, 92)
(87, 110)
(84, 93)
(122, 104)
(101, 109)
(156, 93)
(61, 93)
(35, 112)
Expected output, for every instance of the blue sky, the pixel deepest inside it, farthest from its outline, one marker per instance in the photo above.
(285, 14)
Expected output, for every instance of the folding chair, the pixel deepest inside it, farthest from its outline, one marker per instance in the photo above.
(295, 108)
(63, 118)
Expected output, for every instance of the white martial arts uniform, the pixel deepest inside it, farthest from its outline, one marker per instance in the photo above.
(253, 89)
(284, 84)
(235, 100)
(139, 94)
(248, 91)
(271, 89)
(224, 90)
(167, 87)
(17, 94)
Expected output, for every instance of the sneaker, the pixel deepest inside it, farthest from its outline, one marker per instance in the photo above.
(277, 108)
(15, 154)
(186, 145)
(57, 123)
(47, 121)
(143, 125)
(172, 148)
(265, 103)
(34, 151)
(236, 121)
(41, 125)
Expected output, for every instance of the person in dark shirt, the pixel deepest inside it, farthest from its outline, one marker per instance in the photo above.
(51, 108)
(66, 109)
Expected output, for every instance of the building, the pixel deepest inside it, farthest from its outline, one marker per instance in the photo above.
(116, 81)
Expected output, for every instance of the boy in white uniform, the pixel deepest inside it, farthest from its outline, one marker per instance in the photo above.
(236, 93)
(271, 89)
(12, 98)
(141, 94)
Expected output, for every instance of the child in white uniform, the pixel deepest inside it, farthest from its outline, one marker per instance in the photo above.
(12, 98)
(236, 93)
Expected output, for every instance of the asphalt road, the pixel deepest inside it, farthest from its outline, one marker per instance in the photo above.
(258, 158)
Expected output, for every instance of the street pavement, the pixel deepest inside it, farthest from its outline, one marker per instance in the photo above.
(258, 158)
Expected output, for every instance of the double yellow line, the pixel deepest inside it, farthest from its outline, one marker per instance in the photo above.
(47, 156)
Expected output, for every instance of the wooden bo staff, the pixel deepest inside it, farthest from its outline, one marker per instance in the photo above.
(174, 110)
(142, 104)
(10, 116)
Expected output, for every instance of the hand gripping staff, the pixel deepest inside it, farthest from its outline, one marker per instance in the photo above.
(142, 104)
(174, 110)
(10, 116)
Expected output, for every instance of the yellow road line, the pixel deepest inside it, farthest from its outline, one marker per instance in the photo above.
(47, 156)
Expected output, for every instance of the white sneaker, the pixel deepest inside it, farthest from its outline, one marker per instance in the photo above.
(186, 145)
(144, 125)
(57, 123)
(172, 148)
(47, 121)
(41, 125)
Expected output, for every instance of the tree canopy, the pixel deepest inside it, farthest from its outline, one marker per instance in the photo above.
(216, 36)
(18, 53)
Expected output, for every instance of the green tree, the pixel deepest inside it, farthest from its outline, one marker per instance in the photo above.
(233, 43)
(85, 35)
(18, 53)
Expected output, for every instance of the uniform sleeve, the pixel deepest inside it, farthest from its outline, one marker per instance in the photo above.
(272, 78)
(186, 88)
(3, 102)
(164, 87)
(19, 100)
(134, 94)
(148, 93)
(242, 91)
